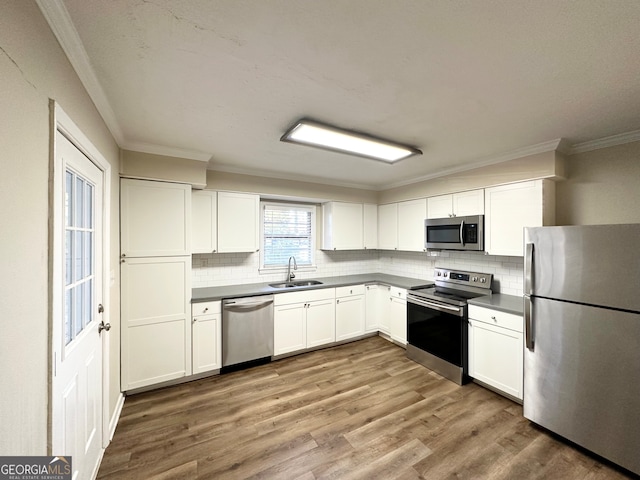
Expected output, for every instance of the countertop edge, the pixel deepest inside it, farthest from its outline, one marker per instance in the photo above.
(501, 302)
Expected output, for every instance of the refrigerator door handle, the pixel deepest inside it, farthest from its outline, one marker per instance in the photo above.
(528, 269)
(528, 323)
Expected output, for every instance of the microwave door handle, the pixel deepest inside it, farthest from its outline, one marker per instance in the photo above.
(462, 233)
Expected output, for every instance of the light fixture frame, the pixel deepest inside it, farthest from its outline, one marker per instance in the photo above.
(307, 121)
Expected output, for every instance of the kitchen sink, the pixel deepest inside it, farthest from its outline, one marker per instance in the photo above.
(300, 283)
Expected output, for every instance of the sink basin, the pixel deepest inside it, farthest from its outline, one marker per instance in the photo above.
(300, 283)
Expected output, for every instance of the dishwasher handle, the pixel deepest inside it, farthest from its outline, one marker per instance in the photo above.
(247, 303)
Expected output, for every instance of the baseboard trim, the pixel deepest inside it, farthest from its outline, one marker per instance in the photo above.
(113, 423)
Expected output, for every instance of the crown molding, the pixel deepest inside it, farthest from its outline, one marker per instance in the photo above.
(549, 146)
(57, 16)
(605, 142)
(166, 151)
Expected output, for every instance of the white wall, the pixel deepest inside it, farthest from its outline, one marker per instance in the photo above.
(33, 69)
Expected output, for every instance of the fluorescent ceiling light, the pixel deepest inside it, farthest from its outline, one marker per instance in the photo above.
(318, 135)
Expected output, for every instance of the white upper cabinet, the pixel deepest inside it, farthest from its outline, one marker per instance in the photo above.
(459, 204)
(238, 222)
(370, 221)
(388, 226)
(510, 208)
(411, 216)
(204, 221)
(343, 226)
(155, 218)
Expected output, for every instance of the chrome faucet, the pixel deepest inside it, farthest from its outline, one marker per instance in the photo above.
(290, 274)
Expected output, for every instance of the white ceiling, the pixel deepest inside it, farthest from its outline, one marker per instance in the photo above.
(467, 82)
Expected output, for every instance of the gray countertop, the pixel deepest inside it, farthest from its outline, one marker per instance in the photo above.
(500, 302)
(207, 294)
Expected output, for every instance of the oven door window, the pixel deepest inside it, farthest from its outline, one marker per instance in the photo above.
(443, 234)
(438, 333)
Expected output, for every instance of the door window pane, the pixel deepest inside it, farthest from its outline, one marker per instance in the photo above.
(79, 203)
(68, 198)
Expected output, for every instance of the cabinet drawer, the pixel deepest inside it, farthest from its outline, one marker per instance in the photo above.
(497, 318)
(398, 293)
(205, 308)
(304, 296)
(350, 290)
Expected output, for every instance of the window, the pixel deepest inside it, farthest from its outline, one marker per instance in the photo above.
(288, 230)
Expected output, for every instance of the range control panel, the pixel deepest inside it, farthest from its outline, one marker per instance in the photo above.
(463, 278)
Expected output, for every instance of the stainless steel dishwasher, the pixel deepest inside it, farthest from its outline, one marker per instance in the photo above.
(247, 331)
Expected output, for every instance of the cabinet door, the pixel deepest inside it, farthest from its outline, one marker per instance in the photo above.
(411, 232)
(370, 231)
(238, 222)
(508, 209)
(496, 357)
(343, 226)
(156, 320)
(388, 226)
(468, 203)
(384, 312)
(204, 222)
(289, 328)
(321, 323)
(155, 218)
(372, 307)
(206, 343)
(440, 206)
(398, 320)
(349, 317)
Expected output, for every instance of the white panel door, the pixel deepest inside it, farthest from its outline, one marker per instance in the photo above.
(440, 206)
(204, 221)
(289, 328)
(77, 387)
(372, 307)
(156, 320)
(238, 222)
(350, 313)
(411, 230)
(321, 322)
(384, 314)
(508, 209)
(155, 218)
(398, 320)
(206, 341)
(468, 203)
(388, 226)
(370, 230)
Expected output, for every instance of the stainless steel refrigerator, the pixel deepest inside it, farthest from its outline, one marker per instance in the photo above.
(582, 335)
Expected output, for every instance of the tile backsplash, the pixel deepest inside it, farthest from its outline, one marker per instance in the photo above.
(218, 269)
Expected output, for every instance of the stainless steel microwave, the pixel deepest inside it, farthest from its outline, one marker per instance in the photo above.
(455, 233)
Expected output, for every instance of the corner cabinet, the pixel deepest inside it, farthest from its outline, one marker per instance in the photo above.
(456, 205)
(206, 336)
(496, 350)
(370, 230)
(343, 226)
(238, 222)
(510, 208)
(398, 315)
(204, 221)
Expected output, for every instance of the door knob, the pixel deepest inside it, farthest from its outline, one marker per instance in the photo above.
(104, 326)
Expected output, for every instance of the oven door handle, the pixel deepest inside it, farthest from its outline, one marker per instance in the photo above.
(436, 306)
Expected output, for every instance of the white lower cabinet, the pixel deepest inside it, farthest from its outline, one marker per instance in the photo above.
(206, 336)
(372, 300)
(156, 327)
(303, 320)
(496, 349)
(398, 314)
(350, 312)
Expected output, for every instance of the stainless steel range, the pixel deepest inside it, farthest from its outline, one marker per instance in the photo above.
(437, 321)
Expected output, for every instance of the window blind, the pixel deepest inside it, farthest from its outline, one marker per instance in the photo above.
(287, 232)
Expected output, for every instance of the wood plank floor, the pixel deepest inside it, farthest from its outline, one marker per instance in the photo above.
(356, 411)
